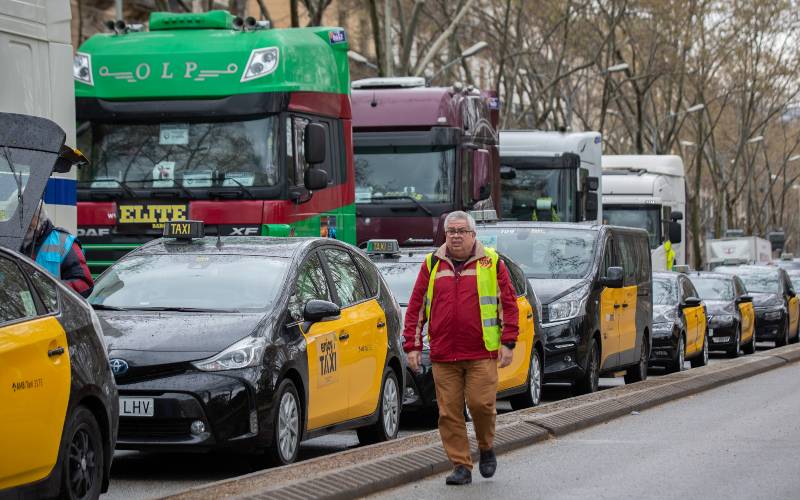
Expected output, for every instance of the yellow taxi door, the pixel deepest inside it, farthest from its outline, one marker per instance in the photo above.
(34, 383)
(627, 319)
(516, 374)
(794, 314)
(610, 312)
(363, 342)
(690, 319)
(748, 320)
(327, 382)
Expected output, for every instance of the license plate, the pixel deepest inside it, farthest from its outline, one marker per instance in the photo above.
(136, 407)
(721, 340)
(710, 332)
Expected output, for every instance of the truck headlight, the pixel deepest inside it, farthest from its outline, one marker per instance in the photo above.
(246, 352)
(82, 68)
(262, 62)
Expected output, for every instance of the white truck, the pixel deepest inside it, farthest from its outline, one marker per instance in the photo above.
(648, 192)
(36, 79)
(550, 176)
(740, 250)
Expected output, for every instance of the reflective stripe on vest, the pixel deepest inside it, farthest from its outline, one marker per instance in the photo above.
(487, 294)
(54, 250)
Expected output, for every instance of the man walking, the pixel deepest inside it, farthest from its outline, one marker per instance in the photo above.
(58, 252)
(464, 293)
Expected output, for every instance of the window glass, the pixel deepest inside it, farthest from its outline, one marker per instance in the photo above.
(665, 291)
(16, 299)
(517, 278)
(15, 169)
(740, 290)
(311, 284)
(45, 287)
(370, 274)
(647, 218)
(762, 283)
(714, 288)
(627, 258)
(608, 257)
(400, 278)
(466, 179)
(345, 276)
(688, 289)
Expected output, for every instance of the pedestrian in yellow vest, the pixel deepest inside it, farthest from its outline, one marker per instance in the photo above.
(670, 254)
(464, 293)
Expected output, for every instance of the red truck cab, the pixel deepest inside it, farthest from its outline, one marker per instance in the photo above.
(420, 153)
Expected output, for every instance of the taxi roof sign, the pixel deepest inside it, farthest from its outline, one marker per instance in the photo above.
(383, 247)
(184, 230)
(484, 215)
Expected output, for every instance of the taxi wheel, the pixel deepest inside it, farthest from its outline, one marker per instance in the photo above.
(784, 339)
(750, 347)
(286, 425)
(702, 359)
(82, 459)
(638, 372)
(388, 423)
(680, 357)
(733, 352)
(591, 378)
(533, 393)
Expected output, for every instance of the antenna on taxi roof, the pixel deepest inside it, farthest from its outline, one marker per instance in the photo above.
(219, 238)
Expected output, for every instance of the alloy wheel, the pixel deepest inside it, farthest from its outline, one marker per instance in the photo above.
(288, 426)
(82, 464)
(681, 354)
(536, 380)
(391, 408)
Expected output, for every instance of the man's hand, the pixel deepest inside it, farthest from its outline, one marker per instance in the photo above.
(414, 360)
(504, 356)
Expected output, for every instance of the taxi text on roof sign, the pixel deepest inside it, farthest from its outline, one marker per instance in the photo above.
(184, 230)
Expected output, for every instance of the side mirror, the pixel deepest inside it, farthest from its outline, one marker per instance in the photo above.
(591, 205)
(507, 173)
(480, 174)
(691, 302)
(320, 310)
(675, 235)
(315, 179)
(676, 215)
(315, 143)
(744, 298)
(592, 183)
(613, 278)
(791, 293)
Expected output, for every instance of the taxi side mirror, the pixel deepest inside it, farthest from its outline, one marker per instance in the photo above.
(744, 298)
(691, 302)
(791, 293)
(613, 278)
(320, 310)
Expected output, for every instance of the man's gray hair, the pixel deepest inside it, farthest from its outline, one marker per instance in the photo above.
(459, 215)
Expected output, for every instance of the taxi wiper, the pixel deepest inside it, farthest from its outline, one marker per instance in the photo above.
(404, 197)
(185, 309)
(103, 307)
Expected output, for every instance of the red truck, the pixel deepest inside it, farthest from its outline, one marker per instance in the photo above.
(420, 153)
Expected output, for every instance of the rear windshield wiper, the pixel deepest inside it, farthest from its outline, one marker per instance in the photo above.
(185, 309)
(404, 197)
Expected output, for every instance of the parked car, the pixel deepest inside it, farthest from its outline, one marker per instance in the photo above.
(680, 326)
(731, 316)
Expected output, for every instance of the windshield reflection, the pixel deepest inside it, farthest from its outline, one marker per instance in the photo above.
(421, 173)
(714, 288)
(665, 292)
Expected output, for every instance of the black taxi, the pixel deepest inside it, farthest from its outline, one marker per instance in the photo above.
(520, 382)
(58, 400)
(251, 343)
(594, 282)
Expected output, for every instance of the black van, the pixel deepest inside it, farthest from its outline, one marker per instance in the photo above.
(595, 286)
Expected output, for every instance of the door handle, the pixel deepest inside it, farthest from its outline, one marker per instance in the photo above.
(381, 324)
(616, 306)
(58, 351)
(530, 315)
(344, 336)
(624, 305)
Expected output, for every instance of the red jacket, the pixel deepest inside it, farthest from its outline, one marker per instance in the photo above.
(455, 332)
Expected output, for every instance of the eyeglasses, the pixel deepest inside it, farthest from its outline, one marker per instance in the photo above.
(460, 231)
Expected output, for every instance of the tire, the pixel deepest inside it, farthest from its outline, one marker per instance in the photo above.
(784, 339)
(680, 357)
(702, 359)
(733, 352)
(638, 372)
(286, 426)
(388, 423)
(533, 389)
(82, 459)
(590, 380)
(796, 337)
(750, 347)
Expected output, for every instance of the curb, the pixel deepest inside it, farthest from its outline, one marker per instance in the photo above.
(375, 468)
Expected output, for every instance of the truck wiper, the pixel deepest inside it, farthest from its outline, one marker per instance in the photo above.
(404, 197)
(242, 187)
(123, 186)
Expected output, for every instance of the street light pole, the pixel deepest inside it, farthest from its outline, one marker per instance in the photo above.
(466, 53)
(355, 56)
(692, 109)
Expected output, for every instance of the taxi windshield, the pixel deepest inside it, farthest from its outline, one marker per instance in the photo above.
(714, 288)
(761, 283)
(665, 292)
(187, 155)
(400, 276)
(544, 254)
(230, 283)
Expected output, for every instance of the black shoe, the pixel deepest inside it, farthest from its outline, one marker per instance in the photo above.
(488, 463)
(461, 475)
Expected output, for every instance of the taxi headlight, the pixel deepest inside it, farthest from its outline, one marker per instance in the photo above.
(262, 62)
(722, 320)
(568, 306)
(773, 314)
(246, 352)
(662, 327)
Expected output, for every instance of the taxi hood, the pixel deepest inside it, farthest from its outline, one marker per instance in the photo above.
(549, 289)
(31, 148)
(145, 338)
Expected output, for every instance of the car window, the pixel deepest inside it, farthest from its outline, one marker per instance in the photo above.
(608, 257)
(345, 276)
(665, 292)
(740, 290)
(311, 284)
(517, 278)
(370, 274)
(688, 289)
(16, 299)
(47, 290)
(627, 257)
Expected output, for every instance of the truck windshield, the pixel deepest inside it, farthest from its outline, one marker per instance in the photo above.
(422, 173)
(520, 194)
(544, 254)
(188, 155)
(640, 217)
